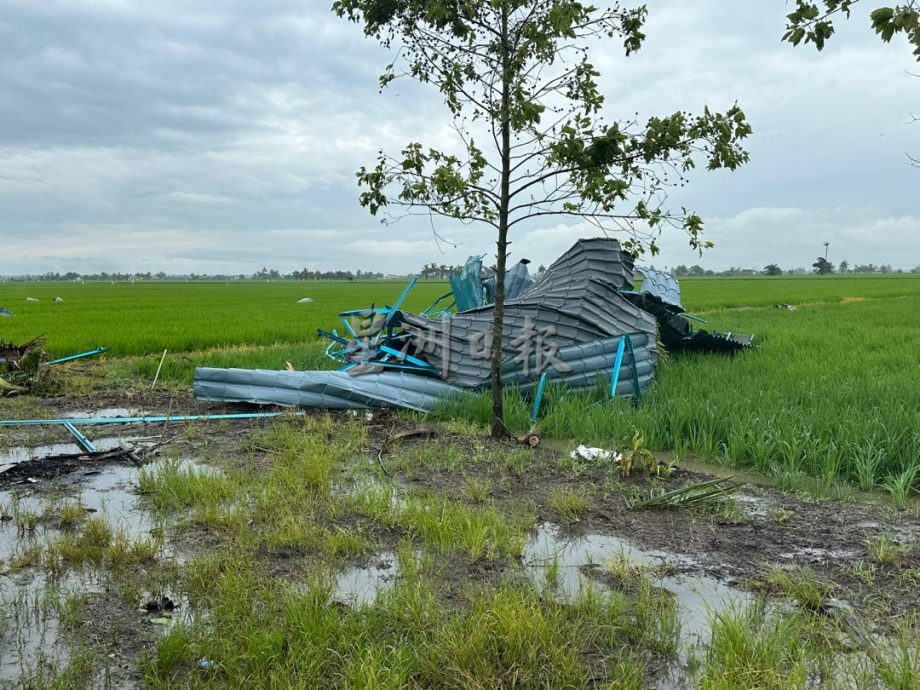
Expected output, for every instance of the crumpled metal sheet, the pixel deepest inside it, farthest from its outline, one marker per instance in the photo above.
(596, 257)
(590, 365)
(333, 390)
(576, 302)
(467, 287)
(517, 279)
(661, 285)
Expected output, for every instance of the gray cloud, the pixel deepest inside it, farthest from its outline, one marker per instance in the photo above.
(224, 135)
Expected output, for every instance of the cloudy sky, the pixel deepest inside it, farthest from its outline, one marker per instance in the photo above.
(223, 135)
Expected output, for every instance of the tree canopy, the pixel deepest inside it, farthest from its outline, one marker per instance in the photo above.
(813, 22)
(822, 266)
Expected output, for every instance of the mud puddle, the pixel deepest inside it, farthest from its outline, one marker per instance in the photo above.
(37, 607)
(360, 586)
(581, 560)
(34, 612)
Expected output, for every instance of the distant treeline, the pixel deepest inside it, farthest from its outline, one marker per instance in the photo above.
(441, 272)
(821, 267)
(263, 274)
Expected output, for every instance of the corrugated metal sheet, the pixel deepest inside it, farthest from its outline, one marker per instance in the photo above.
(333, 390)
(590, 364)
(517, 279)
(576, 302)
(661, 285)
(467, 287)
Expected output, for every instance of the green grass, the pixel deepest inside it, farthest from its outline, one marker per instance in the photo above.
(802, 585)
(147, 318)
(832, 392)
(568, 504)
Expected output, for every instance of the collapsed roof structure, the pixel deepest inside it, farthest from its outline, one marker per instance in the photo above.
(581, 323)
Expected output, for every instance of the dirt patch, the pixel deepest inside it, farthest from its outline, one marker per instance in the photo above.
(851, 300)
(765, 528)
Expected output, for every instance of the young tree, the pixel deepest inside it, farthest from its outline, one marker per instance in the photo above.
(516, 74)
(844, 267)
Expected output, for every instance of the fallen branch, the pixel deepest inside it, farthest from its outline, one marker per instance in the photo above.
(401, 436)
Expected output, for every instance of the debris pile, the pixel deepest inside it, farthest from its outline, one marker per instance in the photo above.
(23, 366)
(20, 365)
(582, 324)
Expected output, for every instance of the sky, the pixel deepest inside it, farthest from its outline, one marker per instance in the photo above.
(221, 136)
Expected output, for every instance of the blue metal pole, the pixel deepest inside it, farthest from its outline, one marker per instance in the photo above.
(70, 358)
(84, 442)
(617, 363)
(637, 392)
(538, 399)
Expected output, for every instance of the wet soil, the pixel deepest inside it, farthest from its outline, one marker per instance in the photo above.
(766, 528)
(702, 557)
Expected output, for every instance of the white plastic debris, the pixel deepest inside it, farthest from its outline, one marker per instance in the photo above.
(58, 299)
(31, 299)
(305, 300)
(586, 453)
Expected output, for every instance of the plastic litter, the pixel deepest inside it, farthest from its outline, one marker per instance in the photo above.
(585, 453)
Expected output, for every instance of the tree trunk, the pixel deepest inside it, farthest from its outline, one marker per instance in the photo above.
(498, 415)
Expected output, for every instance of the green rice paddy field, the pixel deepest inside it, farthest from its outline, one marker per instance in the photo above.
(831, 393)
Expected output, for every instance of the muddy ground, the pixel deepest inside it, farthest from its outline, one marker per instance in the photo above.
(703, 556)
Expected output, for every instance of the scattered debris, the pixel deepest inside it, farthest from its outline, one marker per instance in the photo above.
(164, 603)
(660, 296)
(787, 307)
(582, 320)
(585, 453)
(6, 312)
(31, 299)
(707, 492)
(50, 466)
(21, 366)
(305, 300)
(58, 299)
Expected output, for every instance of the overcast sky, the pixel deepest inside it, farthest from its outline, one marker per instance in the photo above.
(223, 135)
